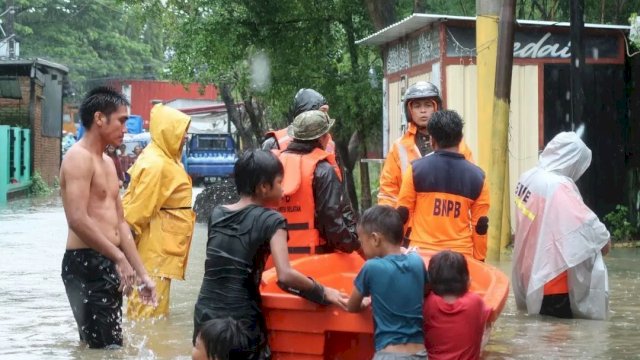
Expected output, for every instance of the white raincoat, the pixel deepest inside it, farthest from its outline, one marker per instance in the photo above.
(557, 232)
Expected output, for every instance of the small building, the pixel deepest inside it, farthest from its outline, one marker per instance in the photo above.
(207, 116)
(442, 49)
(31, 98)
(142, 94)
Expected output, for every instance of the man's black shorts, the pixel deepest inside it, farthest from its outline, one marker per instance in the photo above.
(92, 282)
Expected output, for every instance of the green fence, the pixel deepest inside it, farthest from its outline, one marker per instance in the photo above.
(15, 160)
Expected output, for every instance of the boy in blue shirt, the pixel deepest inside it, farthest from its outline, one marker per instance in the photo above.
(395, 280)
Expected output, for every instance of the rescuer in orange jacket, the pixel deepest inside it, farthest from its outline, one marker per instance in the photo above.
(305, 100)
(421, 100)
(444, 196)
(319, 220)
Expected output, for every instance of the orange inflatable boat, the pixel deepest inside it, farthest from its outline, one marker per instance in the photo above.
(301, 330)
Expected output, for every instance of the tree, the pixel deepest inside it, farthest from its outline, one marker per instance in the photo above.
(95, 39)
(305, 44)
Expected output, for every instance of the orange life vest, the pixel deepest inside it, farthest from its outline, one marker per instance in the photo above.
(283, 139)
(297, 203)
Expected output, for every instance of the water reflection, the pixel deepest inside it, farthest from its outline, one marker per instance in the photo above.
(519, 336)
(36, 321)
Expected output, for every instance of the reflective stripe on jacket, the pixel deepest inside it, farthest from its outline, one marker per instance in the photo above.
(403, 151)
(157, 203)
(446, 196)
(298, 204)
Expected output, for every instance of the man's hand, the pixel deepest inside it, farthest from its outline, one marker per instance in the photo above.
(127, 275)
(147, 292)
(606, 248)
(336, 297)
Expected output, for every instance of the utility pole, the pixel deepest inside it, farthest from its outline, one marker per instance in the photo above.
(499, 224)
(486, 53)
(576, 70)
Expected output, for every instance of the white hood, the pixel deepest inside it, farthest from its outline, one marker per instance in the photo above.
(566, 155)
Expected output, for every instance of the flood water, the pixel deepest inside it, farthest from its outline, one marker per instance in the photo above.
(36, 321)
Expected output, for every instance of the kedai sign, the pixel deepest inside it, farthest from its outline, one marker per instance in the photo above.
(534, 44)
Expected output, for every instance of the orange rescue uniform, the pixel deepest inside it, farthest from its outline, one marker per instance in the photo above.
(403, 151)
(298, 204)
(447, 199)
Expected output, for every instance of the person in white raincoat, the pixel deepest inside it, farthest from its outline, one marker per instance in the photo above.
(558, 267)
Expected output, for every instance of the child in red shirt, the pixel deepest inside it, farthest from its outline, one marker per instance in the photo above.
(454, 318)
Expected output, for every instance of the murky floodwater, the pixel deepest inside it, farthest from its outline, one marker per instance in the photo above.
(36, 321)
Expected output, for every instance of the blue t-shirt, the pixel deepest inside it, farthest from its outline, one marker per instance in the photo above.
(396, 285)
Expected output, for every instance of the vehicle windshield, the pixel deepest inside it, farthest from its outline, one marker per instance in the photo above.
(212, 143)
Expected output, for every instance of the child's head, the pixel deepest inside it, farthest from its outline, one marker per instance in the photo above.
(221, 339)
(448, 273)
(379, 227)
(258, 173)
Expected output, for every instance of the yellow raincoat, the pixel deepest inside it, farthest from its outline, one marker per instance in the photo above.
(157, 206)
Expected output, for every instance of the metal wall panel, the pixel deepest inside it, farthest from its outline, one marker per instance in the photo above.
(395, 123)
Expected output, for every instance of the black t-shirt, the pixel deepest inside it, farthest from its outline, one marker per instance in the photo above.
(237, 249)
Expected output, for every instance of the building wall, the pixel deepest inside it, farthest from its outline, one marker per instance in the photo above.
(46, 150)
(461, 97)
(523, 119)
(395, 112)
(15, 112)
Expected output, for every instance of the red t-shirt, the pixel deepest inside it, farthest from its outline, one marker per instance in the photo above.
(454, 331)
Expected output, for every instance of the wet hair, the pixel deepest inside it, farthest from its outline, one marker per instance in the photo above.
(448, 273)
(445, 127)
(225, 339)
(104, 99)
(385, 220)
(255, 167)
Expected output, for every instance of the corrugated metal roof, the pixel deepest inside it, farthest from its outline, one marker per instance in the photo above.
(36, 61)
(417, 21)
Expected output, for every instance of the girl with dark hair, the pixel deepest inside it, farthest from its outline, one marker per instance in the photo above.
(454, 318)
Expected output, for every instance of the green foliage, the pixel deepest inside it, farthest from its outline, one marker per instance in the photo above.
(38, 186)
(619, 226)
(634, 34)
(308, 44)
(595, 11)
(95, 39)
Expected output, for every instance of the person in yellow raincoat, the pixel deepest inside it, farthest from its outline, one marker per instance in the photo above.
(157, 207)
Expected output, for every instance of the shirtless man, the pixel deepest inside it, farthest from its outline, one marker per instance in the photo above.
(101, 261)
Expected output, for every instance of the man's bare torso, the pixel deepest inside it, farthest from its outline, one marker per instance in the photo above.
(103, 194)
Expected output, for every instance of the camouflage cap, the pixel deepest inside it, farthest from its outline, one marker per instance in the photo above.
(310, 125)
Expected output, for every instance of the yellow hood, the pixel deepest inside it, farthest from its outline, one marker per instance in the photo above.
(167, 127)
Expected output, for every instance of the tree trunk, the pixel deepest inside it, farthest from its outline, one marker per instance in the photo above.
(234, 115)
(381, 12)
(347, 176)
(419, 6)
(255, 113)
